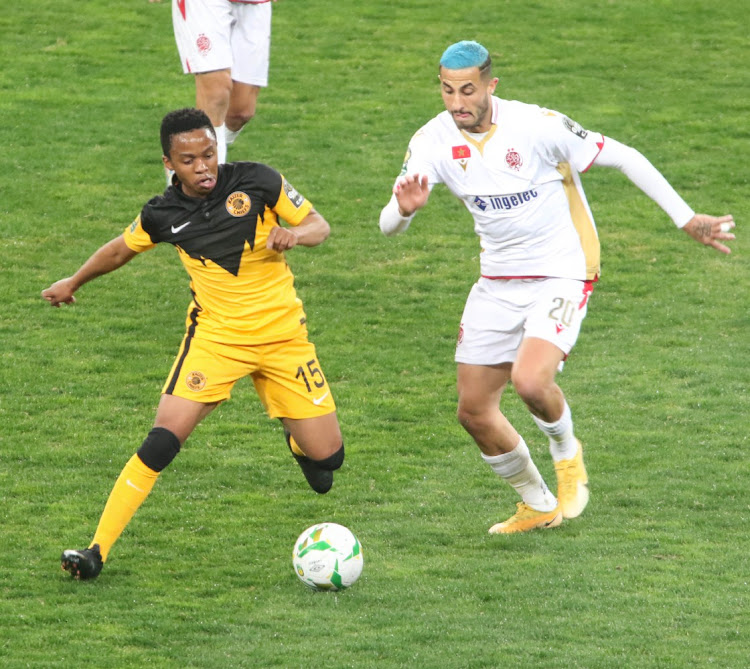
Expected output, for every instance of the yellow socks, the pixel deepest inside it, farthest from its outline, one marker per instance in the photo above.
(130, 490)
(295, 448)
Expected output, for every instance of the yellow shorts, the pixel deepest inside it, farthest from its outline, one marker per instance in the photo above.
(287, 375)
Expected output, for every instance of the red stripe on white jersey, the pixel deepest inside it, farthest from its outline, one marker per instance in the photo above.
(600, 146)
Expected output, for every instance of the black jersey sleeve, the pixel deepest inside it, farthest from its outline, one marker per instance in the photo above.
(255, 178)
(148, 220)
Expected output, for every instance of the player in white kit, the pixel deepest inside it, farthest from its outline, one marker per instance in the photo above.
(516, 168)
(226, 45)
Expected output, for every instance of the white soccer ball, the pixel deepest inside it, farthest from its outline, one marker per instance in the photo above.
(327, 556)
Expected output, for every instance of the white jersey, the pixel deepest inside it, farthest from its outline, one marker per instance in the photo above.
(520, 183)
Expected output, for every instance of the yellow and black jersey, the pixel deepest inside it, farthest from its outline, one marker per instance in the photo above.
(243, 293)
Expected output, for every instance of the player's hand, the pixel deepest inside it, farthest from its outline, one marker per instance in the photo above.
(709, 230)
(281, 239)
(60, 292)
(411, 192)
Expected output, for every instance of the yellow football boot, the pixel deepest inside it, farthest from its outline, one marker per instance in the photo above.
(526, 518)
(572, 485)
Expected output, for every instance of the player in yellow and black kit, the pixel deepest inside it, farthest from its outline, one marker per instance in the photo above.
(244, 318)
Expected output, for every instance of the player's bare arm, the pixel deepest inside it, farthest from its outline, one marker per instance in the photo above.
(313, 230)
(412, 192)
(112, 255)
(711, 230)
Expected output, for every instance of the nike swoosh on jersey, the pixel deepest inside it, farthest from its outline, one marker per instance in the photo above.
(318, 400)
(175, 230)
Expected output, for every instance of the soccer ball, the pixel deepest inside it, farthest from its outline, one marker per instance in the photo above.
(327, 556)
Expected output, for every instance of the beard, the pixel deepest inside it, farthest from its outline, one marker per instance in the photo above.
(476, 118)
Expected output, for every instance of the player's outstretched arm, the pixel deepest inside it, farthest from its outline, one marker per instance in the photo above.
(708, 230)
(107, 258)
(711, 230)
(313, 230)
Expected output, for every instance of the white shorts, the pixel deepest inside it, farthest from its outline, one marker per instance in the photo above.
(500, 313)
(219, 35)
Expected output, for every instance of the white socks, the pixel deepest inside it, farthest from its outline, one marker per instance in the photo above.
(231, 135)
(221, 143)
(518, 469)
(562, 442)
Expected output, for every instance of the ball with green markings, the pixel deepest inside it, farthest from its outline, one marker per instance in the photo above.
(327, 556)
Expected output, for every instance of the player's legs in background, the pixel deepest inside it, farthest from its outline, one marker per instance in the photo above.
(533, 377)
(203, 34)
(241, 109)
(213, 91)
(480, 388)
(251, 51)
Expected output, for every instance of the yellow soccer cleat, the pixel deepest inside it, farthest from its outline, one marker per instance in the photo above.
(572, 485)
(526, 518)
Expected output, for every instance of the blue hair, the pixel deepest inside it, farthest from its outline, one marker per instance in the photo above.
(465, 54)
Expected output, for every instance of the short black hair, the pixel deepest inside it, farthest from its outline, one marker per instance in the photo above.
(183, 120)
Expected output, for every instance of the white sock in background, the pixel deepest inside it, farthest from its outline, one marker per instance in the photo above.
(221, 144)
(231, 135)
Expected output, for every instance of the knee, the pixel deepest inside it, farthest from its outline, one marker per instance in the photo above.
(332, 462)
(470, 418)
(237, 119)
(530, 388)
(463, 415)
(159, 448)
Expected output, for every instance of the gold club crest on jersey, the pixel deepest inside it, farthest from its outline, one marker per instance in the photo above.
(196, 381)
(238, 203)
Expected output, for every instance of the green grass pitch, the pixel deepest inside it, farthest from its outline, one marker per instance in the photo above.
(656, 572)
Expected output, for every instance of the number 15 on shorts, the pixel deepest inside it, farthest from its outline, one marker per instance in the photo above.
(311, 375)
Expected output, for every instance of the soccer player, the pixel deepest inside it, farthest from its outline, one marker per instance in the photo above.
(244, 319)
(516, 168)
(226, 44)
